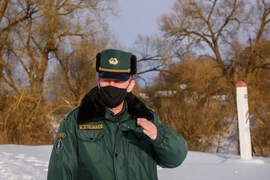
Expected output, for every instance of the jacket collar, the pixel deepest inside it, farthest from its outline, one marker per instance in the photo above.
(92, 109)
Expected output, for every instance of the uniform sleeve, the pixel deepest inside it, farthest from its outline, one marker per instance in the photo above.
(63, 163)
(170, 147)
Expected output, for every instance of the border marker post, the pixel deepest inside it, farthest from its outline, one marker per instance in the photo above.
(243, 120)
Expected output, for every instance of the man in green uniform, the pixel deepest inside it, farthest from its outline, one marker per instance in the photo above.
(113, 135)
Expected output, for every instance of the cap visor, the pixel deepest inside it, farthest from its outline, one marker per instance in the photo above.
(118, 76)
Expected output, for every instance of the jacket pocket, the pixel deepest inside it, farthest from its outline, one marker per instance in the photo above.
(91, 146)
(139, 134)
(143, 147)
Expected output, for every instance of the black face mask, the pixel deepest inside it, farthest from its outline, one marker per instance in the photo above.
(112, 96)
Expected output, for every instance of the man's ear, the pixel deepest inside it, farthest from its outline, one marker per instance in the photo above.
(131, 86)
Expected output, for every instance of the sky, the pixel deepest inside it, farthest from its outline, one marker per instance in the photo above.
(138, 17)
(19, 162)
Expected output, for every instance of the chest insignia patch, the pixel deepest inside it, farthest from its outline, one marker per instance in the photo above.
(59, 143)
(91, 127)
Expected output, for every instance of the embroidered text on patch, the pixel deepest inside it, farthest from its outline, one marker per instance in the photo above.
(59, 144)
(91, 127)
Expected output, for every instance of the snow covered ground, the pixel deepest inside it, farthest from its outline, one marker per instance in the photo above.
(31, 163)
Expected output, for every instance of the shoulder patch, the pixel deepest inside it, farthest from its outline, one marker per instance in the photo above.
(59, 144)
(61, 135)
(159, 121)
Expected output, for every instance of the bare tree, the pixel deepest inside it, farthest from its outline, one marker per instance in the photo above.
(34, 36)
(190, 100)
(227, 33)
(220, 28)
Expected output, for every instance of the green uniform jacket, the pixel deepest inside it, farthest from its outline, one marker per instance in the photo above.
(92, 144)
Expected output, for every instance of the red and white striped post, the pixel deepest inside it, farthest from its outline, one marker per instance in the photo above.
(243, 120)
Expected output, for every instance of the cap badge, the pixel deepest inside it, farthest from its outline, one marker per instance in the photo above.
(113, 61)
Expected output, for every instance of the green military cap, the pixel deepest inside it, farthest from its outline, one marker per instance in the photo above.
(116, 64)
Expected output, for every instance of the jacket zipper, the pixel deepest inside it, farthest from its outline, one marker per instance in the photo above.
(117, 126)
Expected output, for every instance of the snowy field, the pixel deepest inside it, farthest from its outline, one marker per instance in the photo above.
(31, 163)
